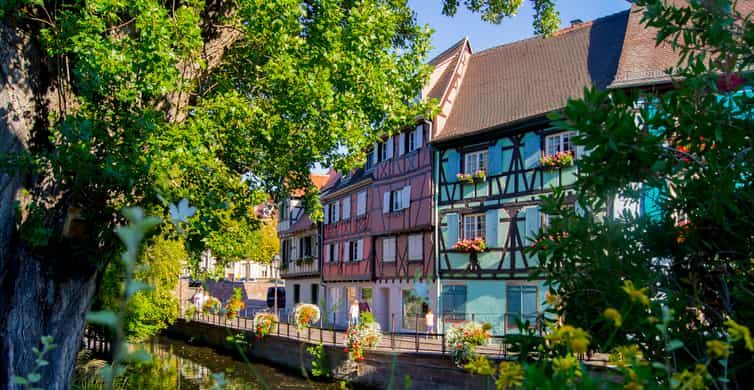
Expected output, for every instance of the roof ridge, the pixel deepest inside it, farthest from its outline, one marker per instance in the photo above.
(561, 32)
(449, 50)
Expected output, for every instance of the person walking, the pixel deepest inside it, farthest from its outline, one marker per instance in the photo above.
(429, 320)
(354, 313)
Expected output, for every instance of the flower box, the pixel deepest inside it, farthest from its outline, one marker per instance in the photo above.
(474, 245)
(480, 176)
(308, 260)
(299, 262)
(465, 178)
(558, 160)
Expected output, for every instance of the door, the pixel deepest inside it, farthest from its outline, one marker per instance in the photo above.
(383, 316)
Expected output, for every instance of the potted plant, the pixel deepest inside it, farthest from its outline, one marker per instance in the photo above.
(299, 262)
(557, 160)
(465, 178)
(308, 260)
(264, 324)
(480, 175)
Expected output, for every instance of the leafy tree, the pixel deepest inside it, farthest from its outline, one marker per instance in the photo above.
(546, 17)
(150, 311)
(671, 279)
(112, 103)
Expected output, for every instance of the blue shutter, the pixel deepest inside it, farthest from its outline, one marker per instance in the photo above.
(452, 221)
(650, 203)
(490, 226)
(453, 166)
(495, 159)
(532, 224)
(531, 150)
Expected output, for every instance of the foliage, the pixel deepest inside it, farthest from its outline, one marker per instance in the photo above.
(558, 160)
(29, 381)
(652, 281)
(320, 362)
(463, 338)
(470, 245)
(546, 17)
(366, 334)
(305, 314)
(265, 323)
(235, 304)
(151, 310)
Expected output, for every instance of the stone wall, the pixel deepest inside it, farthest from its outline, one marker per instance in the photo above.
(378, 370)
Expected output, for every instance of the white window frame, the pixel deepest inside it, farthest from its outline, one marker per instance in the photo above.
(559, 142)
(471, 224)
(346, 214)
(475, 161)
(388, 256)
(413, 142)
(416, 249)
(396, 200)
(361, 203)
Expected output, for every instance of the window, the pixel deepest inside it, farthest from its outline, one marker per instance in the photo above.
(354, 250)
(286, 251)
(416, 247)
(305, 247)
(388, 249)
(414, 309)
(415, 138)
(315, 294)
(361, 203)
(347, 207)
(382, 151)
(332, 251)
(473, 226)
(332, 214)
(521, 302)
(475, 161)
(296, 293)
(283, 210)
(370, 160)
(560, 142)
(453, 302)
(396, 200)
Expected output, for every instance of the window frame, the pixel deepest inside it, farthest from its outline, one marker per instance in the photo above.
(396, 200)
(561, 144)
(385, 240)
(353, 248)
(364, 210)
(453, 315)
(421, 247)
(479, 230)
(476, 158)
(509, 320)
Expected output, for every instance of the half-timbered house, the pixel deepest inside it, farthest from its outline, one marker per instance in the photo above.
(299, 250)
(491, 169)
(347, 252)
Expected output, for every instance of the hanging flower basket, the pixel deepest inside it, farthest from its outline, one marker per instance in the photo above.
(465, 178)
(558, 160)
(264, 324)
(462, 339)
(474, 245)
(364, 335)
(305, 314)
(211, 305)
(235, 304)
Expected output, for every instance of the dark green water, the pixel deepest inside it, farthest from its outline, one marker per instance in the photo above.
(197, 365)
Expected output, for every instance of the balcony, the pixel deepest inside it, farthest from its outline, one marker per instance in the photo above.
(300, 267)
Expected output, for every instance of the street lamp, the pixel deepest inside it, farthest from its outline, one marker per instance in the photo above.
(275, 261)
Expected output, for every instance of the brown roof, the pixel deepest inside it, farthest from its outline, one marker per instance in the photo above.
(643, 62)
(445, 65)
(524, 79)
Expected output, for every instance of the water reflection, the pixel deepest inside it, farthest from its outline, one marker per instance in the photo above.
(196, 366)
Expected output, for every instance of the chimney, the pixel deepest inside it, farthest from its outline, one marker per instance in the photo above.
(575, 22)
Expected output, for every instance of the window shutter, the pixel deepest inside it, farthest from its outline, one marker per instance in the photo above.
(533, 221)
(406, 193)
(531, 150)
(375, 154)
(336, 211)
(386, 202)
(347, 207)
(361, 203)
(294, 249)
(327, 213)
(389, 144)
(418, 137)
(453, 166)
(360, 250)
(452, 221)
(336, 252)
(402, 144)
(495, 160)
(490, 226)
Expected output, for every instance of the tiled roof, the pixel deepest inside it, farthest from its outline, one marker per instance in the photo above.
(445, 65)
(643, 62)
(524, 79)
(318, 180)
(337, 182)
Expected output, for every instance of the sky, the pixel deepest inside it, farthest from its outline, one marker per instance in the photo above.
(482, 35)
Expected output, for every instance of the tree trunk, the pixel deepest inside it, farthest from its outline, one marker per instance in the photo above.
(40, 294)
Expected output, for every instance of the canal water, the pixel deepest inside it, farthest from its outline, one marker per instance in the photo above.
(198, 368)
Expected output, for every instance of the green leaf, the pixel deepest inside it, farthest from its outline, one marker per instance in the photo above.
(674, 344)
(106, 318)
(659, 366)
(34, 377)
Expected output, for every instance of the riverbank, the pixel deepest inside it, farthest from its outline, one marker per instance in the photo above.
(378, 370)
